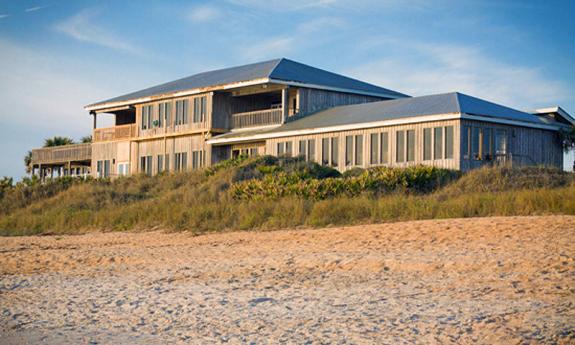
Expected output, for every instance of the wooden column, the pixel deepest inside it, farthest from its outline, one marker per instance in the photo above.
(285, 104)
(95, 120)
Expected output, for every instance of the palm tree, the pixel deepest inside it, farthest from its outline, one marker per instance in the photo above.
(58, 141)
(86, 139)
(28, 161)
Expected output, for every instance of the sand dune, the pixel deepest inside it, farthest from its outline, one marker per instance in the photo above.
(488, 281)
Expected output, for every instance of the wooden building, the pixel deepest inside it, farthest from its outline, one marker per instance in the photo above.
(282, 107)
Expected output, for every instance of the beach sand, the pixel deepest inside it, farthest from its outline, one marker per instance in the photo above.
(501, 280)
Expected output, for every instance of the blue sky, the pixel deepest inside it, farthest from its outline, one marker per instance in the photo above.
(57, 56)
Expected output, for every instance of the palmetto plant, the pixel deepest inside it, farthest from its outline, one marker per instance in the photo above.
(28, 161)
(86, 139)
(58, 141)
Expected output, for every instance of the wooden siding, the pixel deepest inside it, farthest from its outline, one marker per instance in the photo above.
(121, 132)
(313, 100)
(527, 146)
(453, 163)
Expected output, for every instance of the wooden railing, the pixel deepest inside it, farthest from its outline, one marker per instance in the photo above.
(115, 133)
(257, 118)
(62, 154)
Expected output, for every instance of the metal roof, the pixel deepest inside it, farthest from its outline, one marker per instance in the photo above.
(279, 69)
(446, 103)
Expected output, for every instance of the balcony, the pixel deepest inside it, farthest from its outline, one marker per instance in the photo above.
(115, 133)
(62, 154)
(257, 118)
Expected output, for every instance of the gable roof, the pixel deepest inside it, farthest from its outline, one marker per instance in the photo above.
(282, 70)
(368, 113)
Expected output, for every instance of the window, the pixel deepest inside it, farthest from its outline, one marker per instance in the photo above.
(348, 150)
(164, 114)
(448, 142)
(374, 148)
(476, 143)
(302, 150)
(325, 151)
(181, 161)
(123, 169)
(466, 142)
(253, 151)
(99, 170)
(160, 163)
(427, 144)
(311, 149)
(334, 152)
(438, 143)
(410, 145)
(197, 159)
(400, 146)
(486, 146)
(146, 165)
(199, 109)
(359, 150)
(284, 148)
(167, 161)
(147, 116)
(106, 168)
(182, 107)
(501, 142)
(384, 151)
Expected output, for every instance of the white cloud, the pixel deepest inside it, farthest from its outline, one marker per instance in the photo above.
(4, 16)
(435, 68)
(81, 28)
(272, 48)
(204, 13)
(35, 8)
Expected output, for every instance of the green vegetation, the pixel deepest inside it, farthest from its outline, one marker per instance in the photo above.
(268, 193)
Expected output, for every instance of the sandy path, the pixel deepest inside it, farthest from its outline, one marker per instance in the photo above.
(490, 280)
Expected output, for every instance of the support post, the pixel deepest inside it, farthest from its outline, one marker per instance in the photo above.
(285, 104)
(95, 120)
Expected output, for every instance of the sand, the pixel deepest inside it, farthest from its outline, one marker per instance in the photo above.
(508, 280)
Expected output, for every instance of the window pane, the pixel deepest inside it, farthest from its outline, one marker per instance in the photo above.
(348, 150)
(449, 142)
(438, 142)
(280, 149)
(325, 151)
(302, 151)
(426, 144)
(501, 142)
(400, 146)
(486, 152)
(289, 148)
(466, 142)
(374, 157)
(334, 152)
(359, 150)
(167, 159)
(384, 148)
(475, 142)
(311, 149)
(184, 161)
(410, 145)
(160, 162)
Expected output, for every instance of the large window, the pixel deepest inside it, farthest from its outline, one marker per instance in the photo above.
(103, 168)
(400, 146)
(146, 165)
(164, 114)
(501, 142)
(448, 142)
(147, 113)
(325, 151)
(427, 144)
(359, 150)
(384, 151)
(197, 159)
(334, 152)
(476, 143)
(181, 161)
(374, 148)
(182, 109)
(486, 146)
(348, 150)
(200, 107)
(285, 148)
(438, 143)
(466, 142)
(410, 145)
(302, 149)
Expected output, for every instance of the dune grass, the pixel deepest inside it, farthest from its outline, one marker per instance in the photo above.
(207, 201)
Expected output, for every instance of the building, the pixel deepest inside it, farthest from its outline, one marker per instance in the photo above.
(282, 107)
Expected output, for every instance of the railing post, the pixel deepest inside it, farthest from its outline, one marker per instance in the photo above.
(285, 104)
